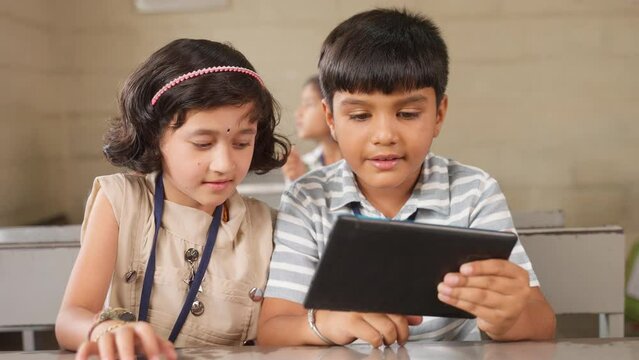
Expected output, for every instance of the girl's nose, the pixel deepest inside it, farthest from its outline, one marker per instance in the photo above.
(222, 159)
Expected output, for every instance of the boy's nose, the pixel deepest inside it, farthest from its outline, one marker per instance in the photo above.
(384, 132)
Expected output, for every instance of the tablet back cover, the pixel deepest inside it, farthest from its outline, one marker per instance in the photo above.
(383, 266)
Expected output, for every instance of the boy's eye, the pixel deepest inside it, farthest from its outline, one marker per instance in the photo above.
(359, 116)
(407, 115)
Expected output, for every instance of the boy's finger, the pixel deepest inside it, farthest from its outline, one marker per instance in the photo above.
(361, 329)
(401, 326)
(502, 285)
(484, 297)
(414, 319)
(478, 310)
(384, 326)
(497, 267)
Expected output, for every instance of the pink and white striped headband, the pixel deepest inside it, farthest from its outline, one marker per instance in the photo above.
(199, 72)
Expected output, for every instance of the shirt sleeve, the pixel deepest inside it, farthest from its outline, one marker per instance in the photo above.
(491, 213)
(296, 253)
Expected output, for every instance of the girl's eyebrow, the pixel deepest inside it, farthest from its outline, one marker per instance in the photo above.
(245, 131)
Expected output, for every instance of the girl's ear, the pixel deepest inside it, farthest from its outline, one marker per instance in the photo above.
(329, 118)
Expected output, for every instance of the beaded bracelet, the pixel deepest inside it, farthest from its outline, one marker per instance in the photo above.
(109, 329)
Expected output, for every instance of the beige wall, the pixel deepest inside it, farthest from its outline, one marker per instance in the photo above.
(543, 94)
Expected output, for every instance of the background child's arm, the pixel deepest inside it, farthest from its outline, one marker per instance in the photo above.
(294, 167)
(284, 323)
(499, 294)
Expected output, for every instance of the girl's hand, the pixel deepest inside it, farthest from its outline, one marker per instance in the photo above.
(376, 329)
(294, 166)
(496, 291)
(119, 340)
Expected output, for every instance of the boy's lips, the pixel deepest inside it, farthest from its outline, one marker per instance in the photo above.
(385, 162)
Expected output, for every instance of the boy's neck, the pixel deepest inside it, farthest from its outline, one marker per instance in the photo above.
(330, 151)
(388, 201)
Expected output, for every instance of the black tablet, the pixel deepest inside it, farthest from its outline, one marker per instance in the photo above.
(384, 266)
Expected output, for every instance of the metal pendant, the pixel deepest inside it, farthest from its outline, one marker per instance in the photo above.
(197, 308)
(256, 294)
(130, 276)
(191, 255)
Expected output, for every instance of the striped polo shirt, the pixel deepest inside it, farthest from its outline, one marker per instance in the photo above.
(446, 193)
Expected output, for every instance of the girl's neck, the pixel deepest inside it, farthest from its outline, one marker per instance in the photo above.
(330, 150)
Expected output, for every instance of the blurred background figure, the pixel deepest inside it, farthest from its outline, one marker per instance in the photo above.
(310, 124)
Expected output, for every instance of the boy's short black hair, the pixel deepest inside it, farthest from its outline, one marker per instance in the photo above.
(133, 139)
(383, 50)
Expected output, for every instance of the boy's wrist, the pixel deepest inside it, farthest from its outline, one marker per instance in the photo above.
(310, 317)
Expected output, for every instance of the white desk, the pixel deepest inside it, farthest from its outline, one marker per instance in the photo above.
(577, 349)
(35, 263)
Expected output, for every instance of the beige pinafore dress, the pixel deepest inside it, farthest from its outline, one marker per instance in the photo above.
(235, 277)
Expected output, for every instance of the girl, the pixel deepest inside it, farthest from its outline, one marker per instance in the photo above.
(311, 124)
(172, 250)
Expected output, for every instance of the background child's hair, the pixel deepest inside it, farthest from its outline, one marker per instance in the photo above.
(383, 50)
(315, 83)
(133, 139)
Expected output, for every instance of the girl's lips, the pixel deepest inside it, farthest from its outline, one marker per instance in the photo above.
(217, 185)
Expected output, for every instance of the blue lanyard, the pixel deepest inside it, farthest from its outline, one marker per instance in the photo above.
(158, 210)
(356, 207)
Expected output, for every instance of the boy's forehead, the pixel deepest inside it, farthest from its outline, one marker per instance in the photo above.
(425, 94)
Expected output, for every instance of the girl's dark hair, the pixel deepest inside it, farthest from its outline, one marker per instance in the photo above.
(133, 139)
(383, 50)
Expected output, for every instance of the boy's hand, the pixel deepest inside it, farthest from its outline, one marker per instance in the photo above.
(496, 291)
(294, 166)
(376, 329)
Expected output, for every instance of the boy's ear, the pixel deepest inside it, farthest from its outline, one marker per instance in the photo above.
(330, 120)
(441, 115)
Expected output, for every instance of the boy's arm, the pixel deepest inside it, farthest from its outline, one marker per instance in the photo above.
(285, 323)
(504, 296)
(283, 320)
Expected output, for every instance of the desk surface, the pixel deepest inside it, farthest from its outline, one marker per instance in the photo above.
(582, 349)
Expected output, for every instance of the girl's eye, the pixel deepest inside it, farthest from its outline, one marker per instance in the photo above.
(359, 116)
(202, 145)
(242, 145)
(407, 115)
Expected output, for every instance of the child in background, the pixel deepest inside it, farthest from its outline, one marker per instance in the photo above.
(310, 123)
(383, 75)
(171, 249)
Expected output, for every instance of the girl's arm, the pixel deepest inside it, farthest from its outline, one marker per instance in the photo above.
(85, 294)
(90, 277)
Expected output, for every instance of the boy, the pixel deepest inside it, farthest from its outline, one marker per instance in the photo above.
(383, 75)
